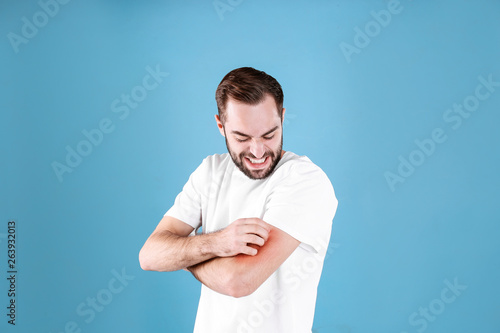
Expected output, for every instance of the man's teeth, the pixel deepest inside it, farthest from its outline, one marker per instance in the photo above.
(257, 161)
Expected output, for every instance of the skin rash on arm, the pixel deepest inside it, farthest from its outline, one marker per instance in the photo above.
(242, 274)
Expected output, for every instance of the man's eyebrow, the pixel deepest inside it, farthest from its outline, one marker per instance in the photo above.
(271, 130)
(267, 133)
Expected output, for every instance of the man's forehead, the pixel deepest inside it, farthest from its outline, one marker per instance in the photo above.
(263, 114)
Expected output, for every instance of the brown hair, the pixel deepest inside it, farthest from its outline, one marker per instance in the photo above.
(247, 85)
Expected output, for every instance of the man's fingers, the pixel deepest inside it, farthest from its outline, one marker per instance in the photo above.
(254, 239)
(256, 230)
(249, 251)
(243, 235)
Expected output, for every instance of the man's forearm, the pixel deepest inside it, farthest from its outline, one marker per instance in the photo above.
(242, 274)
(166, 251)
(170, 247)
(221, 275)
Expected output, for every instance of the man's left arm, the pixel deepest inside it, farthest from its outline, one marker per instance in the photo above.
(242, 274)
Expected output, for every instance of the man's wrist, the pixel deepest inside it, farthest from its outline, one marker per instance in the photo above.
(208, 245)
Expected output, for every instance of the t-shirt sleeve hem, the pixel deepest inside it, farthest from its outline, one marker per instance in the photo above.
(192, 221)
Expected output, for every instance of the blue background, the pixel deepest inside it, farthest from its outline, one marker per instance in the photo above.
(355, 116)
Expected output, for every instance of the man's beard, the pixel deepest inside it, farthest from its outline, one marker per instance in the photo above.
(256, 174)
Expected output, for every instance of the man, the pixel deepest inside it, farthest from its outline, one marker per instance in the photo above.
(265, 215)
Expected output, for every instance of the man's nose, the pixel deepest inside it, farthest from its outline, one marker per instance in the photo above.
(257, 149)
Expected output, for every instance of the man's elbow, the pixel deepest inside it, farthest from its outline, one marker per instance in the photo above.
(238, 285)
(149, 262)
(239, 292)
(145, 262)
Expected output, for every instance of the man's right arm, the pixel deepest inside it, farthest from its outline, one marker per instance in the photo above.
(170, 248)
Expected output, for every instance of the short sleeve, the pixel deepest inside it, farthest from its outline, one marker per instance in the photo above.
(187, 205)
(302, 203)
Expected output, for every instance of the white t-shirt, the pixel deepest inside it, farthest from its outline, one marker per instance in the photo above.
(297, 198)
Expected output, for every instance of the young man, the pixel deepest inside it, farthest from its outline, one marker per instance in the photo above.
(266, 217)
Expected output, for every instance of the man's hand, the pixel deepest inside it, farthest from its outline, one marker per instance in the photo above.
(239, 236)
(169, 248)
(241, 275)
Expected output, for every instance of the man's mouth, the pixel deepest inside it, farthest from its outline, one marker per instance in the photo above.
(257, 163)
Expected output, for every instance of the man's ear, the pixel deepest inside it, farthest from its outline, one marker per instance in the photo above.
(219, 125)
(282, 116)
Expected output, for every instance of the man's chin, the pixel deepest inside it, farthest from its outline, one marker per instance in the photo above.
(257, 174)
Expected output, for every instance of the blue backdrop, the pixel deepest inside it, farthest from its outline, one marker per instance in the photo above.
(107, 107)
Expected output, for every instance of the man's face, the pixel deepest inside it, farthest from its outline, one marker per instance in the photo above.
(254, 136)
